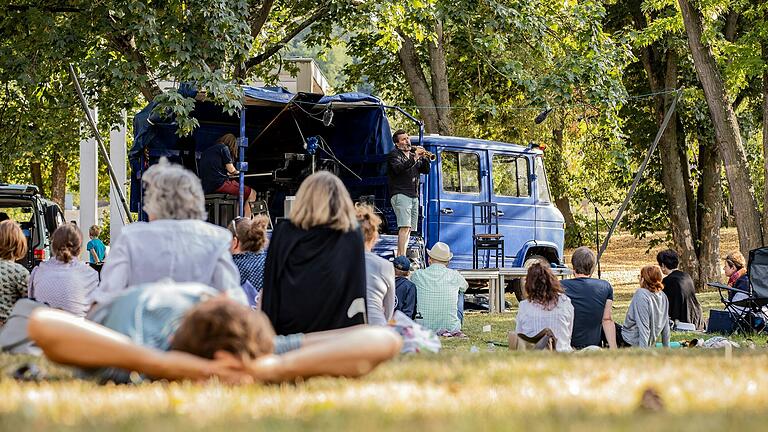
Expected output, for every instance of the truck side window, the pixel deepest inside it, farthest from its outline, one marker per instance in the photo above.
(541, 180)
(461, 172)
(510, 176)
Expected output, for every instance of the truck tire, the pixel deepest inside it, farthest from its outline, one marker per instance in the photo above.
(516, 285)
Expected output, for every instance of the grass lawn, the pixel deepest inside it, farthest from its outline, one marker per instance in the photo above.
(457, 389)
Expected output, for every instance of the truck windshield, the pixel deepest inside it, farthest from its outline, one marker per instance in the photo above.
(541, 181)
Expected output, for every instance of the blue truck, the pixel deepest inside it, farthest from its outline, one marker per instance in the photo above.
(286, 136)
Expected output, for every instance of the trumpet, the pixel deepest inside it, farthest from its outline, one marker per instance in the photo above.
(425, 152)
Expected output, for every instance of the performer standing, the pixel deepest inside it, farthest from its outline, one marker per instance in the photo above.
(404, 165)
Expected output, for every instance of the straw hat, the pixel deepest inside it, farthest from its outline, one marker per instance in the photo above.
(440, 252)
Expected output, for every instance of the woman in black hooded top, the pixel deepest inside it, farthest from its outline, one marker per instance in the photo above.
(314, 277)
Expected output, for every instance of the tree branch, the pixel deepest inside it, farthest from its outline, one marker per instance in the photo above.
(272, 50)
(261, 17)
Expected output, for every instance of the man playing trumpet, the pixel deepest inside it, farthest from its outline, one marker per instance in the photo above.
(404, 165)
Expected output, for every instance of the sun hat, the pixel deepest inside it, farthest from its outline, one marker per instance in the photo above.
(440, 252)
(402, 263)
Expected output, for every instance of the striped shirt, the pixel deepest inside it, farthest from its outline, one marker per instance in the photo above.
(533, 318)
(65, 286)
(437, 295)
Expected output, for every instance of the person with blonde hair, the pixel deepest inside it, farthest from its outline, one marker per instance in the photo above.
(648, 314)
(63, 281)
(13, 276)
(177, 243)
(380, 274)
(217, 170)
(314, 277)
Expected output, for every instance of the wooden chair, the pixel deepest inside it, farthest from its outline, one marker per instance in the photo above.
(485, 232)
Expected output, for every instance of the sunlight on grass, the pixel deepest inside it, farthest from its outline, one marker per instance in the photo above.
(455, 390)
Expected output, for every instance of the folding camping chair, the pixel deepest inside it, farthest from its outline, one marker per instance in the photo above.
(749, 309)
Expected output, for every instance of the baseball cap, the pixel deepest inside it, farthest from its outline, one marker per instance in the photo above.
(402, 263)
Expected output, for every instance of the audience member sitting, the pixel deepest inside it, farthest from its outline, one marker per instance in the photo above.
(648, 313)
(405, 290)
(63, 281)
(13, 276)
(380, 275)
(217, 170)
(249, 237)
(440, 291)
(592, 301)
(176, 243)
(680, 290)
(187, 331)
(735, 268)
(545, 311)
(95, 247)
(314, 277)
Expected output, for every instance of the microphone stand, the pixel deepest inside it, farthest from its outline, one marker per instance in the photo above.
(597, 229)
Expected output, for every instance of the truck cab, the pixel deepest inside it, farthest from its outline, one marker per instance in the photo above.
(468, 171)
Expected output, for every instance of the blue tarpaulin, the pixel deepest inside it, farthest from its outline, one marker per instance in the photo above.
(277, 122)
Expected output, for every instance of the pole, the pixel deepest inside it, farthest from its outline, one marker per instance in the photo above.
(102, 148)
(242, 166)
(640, 172)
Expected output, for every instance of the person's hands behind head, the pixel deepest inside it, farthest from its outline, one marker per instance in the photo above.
(225, 366)
(229, 369)
(265, 368)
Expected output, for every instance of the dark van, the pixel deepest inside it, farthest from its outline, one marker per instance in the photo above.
(37, 216)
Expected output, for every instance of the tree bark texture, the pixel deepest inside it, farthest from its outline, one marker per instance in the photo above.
(439, 74)
(710, 212)
(417, 81)
(726, 131)
(672, 174)
(556, 169)
(36, 171)
(59, 179)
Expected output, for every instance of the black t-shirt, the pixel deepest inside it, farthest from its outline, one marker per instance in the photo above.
(588, 296)
(213, 172)
(403, 173)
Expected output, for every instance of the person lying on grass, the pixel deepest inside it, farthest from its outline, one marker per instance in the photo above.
(181, 331)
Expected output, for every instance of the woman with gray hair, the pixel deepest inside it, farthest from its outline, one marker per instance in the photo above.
(175, 244)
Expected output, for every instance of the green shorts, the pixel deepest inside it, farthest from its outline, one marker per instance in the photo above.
(406, 211)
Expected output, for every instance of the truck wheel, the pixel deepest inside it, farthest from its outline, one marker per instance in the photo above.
(516, 285)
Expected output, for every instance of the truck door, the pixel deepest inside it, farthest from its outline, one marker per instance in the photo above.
(463, 182)
(511, 190)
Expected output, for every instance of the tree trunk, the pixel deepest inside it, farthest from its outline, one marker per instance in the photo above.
(710, 213)
(59, 179)
(764, 48)
(727, 132)
(556, 169)
(417, 81)
(673, 177)
(36, 170)
(439, 75)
